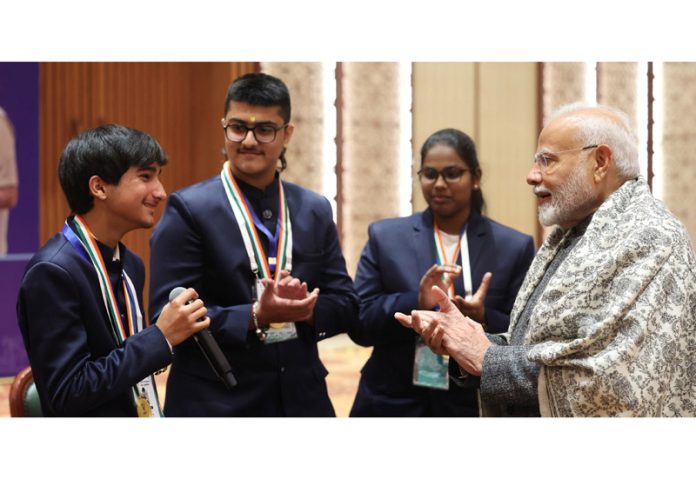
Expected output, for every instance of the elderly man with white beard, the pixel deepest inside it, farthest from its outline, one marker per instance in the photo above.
(604, 323)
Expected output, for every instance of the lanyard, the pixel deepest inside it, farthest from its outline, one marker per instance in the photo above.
(86, 246)
(463, 248)
(272, 238)
(249, 225)
(144, 393)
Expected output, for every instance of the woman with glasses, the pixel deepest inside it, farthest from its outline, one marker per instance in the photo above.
(479, 262)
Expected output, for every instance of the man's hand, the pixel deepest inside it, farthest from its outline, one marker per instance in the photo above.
(450, 331)
(178, 320)
(427, 323)
(290, 288)
(440, 276)
(475, 307)
(286, 301)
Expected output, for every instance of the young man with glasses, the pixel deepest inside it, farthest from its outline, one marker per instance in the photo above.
(480, 262)
(603, 324)
(264, 256)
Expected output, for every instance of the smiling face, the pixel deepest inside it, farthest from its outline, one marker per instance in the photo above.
(253, 162)
(448, 199)
(131, 203)
(565, 190)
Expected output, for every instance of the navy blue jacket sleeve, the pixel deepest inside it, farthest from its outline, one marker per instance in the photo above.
(178, 257)
(376, 323)
(337, 306)
(77, 372)
(185, 251)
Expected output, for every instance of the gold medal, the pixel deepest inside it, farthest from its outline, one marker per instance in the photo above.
(143, 405)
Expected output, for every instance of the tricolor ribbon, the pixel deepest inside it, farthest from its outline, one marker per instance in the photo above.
(84, 242)
(463, 248)
(252, 243)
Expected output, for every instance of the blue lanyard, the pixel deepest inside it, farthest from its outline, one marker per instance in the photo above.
(75, 241)
(129, 297)
(272, 238)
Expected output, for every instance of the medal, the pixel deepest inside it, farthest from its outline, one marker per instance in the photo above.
(143, 405)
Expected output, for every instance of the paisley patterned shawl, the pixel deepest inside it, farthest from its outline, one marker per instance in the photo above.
(615, 329)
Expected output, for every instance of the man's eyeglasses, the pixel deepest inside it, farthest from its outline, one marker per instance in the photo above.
(451, 174)
(263, 132)
(544, 159)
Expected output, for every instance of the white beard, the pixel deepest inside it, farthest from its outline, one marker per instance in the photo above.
(570, 198)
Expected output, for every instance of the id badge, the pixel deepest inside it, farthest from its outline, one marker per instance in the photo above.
(430, 370)
(147, 402)
(276, 332)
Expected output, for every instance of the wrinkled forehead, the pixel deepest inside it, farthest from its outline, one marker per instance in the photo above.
(559, 134)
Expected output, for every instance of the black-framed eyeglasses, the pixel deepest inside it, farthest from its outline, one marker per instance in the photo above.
(451, 174)
(545, 158)
(263, 132)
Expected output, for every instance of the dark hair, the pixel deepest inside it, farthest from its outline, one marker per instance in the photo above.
(465, 148)
(260, 89)
(107, 151)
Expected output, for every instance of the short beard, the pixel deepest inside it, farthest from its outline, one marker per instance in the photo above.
(574, 196)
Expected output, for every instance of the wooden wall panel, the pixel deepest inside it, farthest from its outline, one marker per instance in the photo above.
(495, 104)
(179, 104)
(444, 96)
(63, 89)
(507, 140)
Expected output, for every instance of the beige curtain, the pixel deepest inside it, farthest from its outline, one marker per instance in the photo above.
(304, 155)
(371, 133)
(679, 141)
(617, 86)
(563, 83)
(370, 147)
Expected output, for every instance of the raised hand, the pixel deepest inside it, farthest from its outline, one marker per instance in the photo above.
(286, 301)
(179, 320)
(289, 287)
(474, 307)
(426, 323)
(440, 276)
(449, 331)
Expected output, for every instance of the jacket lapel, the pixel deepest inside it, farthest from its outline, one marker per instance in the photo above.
(476, 233)
(424, 246)
(422, 242)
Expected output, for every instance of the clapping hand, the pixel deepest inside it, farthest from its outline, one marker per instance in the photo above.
(474, 306)
(440, 276)
(286, 300)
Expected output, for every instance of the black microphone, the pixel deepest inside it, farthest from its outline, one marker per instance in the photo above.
(210, 349)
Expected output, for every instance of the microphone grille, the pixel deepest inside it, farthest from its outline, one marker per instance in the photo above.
(176, 292)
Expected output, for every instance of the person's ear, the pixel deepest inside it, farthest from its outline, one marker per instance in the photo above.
(289, 130)
(476, 176)
(603, 160)
(97, 187)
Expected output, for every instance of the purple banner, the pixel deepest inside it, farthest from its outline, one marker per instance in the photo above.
(19, 97)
